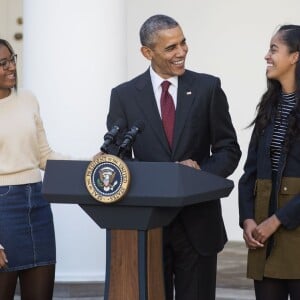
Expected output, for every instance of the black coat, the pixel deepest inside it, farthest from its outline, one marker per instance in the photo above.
(258, 166)
(203, 132)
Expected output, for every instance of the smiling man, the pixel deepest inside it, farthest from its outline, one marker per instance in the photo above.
(187, 121)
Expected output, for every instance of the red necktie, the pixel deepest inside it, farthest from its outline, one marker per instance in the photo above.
(167, 111)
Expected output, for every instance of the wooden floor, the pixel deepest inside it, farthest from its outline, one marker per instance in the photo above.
(232, 283)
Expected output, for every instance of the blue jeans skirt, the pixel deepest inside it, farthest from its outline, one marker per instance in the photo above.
(26, 227)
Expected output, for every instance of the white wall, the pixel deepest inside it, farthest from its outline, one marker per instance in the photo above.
(71, 60)
(228, 39)
(69, 66)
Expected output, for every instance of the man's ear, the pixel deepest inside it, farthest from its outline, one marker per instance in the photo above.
(147, 52)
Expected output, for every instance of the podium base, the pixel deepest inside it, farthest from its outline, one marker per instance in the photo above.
(136, 270)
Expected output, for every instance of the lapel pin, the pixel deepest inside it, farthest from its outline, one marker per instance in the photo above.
(189, 93)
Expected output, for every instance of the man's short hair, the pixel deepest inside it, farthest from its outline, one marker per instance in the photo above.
(154, 24)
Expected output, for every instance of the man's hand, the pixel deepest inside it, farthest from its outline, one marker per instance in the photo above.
(190, 163)
(3, 259)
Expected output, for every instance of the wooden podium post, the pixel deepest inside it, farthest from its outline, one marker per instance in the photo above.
(139, 255)
(158, 191)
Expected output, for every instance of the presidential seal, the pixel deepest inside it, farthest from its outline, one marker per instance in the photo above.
(107, 178)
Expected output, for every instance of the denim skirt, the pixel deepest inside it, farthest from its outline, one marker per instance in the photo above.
(26, 227)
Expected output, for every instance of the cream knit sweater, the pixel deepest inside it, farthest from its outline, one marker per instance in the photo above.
(24, 149)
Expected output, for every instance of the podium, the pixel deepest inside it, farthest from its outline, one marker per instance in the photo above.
(157, 192)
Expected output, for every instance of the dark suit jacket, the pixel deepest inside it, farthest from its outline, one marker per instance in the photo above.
(203, 132)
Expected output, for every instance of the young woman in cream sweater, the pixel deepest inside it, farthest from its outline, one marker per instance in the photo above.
(27, 241)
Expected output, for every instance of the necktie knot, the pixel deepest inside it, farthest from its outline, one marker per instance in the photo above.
(165, 85)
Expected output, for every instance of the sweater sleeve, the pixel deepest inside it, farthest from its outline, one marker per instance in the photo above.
(45, 151)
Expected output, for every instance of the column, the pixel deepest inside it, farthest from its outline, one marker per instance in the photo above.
(74, 53)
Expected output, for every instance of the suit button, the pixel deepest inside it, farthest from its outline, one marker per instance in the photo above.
(285, 188)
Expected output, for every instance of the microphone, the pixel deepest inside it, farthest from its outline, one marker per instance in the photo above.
(110, 136)
(130, 137)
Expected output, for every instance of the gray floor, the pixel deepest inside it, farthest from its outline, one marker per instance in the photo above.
(231, 277)
(232, 283)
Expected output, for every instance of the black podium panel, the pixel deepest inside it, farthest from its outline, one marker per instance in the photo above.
(152, 184)
(157, 192)
(130, 217)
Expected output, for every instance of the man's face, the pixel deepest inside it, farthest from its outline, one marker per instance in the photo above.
(168, 52)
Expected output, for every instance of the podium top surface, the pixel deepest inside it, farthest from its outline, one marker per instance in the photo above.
(155, 184)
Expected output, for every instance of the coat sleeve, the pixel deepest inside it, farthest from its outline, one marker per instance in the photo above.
(247, 184)
(289, 214)
(225, 150)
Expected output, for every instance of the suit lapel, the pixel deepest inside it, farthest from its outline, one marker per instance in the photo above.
(145, 100)
(185, 99)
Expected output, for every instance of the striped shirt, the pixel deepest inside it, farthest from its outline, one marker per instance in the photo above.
(285, 106)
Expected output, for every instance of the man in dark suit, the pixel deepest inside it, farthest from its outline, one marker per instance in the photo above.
(201, 137)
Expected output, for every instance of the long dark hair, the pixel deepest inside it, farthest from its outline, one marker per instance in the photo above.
(290, 35)
(11, 50)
